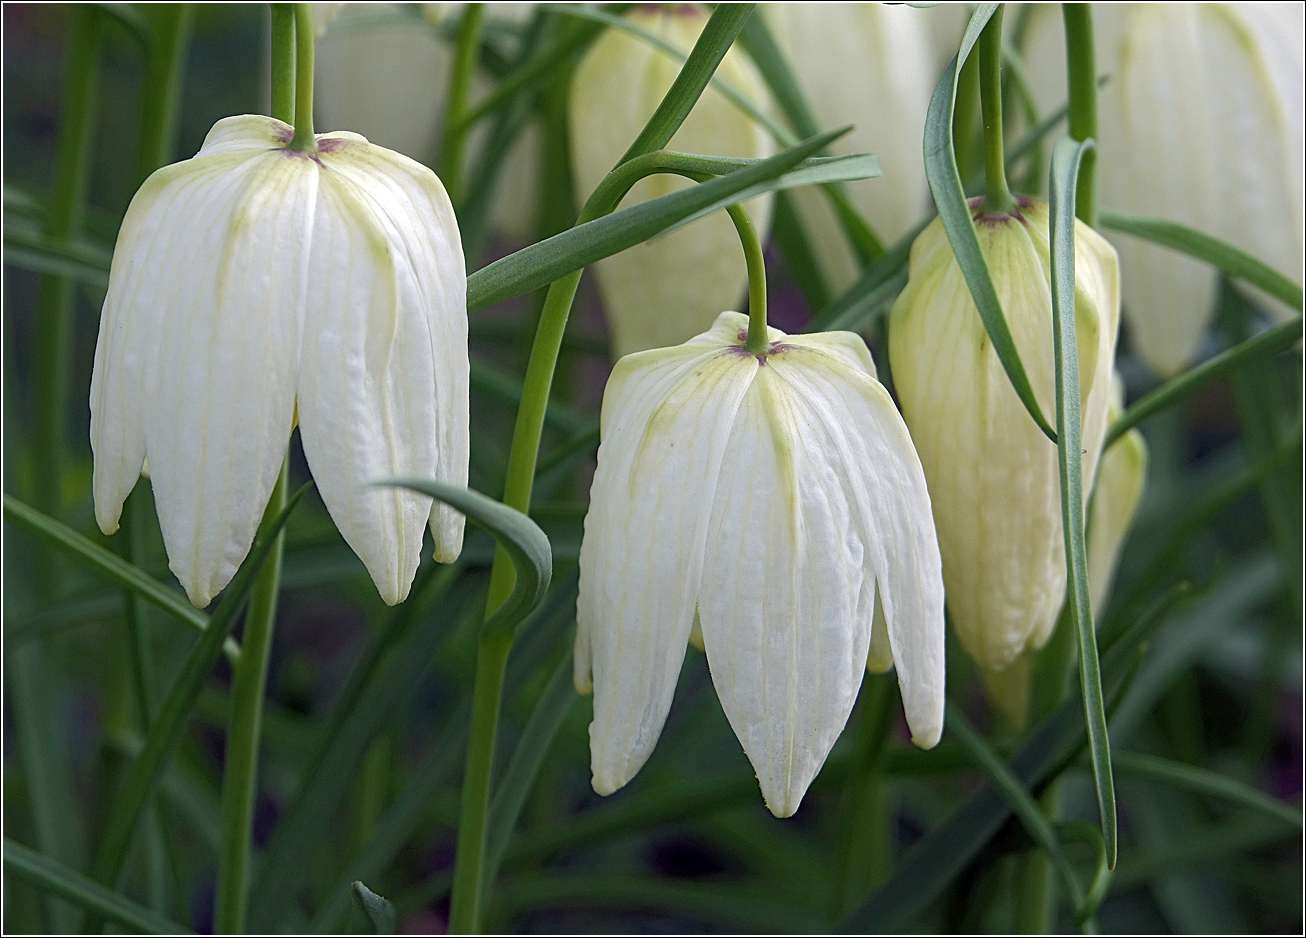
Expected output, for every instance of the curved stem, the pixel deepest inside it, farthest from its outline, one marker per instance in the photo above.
(304, 42)
(456, 125)
(1081, 80)
(240, 775)
(997, 197)
(756, 341)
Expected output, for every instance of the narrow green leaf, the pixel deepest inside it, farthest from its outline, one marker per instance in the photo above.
(111, 566)
(505, 388)
(131, 18)
(1016, 795)
(875, 288)
(519, 775)
(1066, 157)
(950, 199)
(542, 631)
(927, 868)
(385, 676)
(1205, 782)
(379, 911)
(1257, 348)
(1089, 834)
(46, 254)
(51, 875)
(795, 247)
(546, 261)
(711, 47)
(165, 732)
(1221, 254)
(516, 533)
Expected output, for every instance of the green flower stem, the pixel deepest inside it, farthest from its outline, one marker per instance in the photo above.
(963, 115)
(756, 340)
(1081, 77)
(44, 763)
(283, 62)
(304, 44)
(997, 197)
(162, 83)
(240, 776)
(454, 139)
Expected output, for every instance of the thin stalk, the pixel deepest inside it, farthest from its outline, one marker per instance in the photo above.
(283, 62)
(304, 43)
(1038, 885)
(997, 197)
(162, 85)
(240, 776)
(44, 762)
(756, 341)
(1081, 79)
(963, 115)
(454, 139)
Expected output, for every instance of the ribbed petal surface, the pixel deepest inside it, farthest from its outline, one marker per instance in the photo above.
(667, 415)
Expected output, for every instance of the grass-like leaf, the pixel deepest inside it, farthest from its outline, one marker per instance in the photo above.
(546, 261)
(1259, 347)
(1205, 782)
(519, 775)
(111, 566)
(1066, 157)
(52, 876)
(165, 732)
(1221, 254)
(515, 532)
(927, 868)
(46, 254)
(378, 910)
(950, 199)
(1017, 797)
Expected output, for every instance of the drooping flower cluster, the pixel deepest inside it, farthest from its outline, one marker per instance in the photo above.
(255, 285)
(777, 498)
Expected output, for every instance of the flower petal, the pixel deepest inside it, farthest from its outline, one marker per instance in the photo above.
(786, 602)
(216, 339)
(666, 418)
(868, 444)
(414, 211)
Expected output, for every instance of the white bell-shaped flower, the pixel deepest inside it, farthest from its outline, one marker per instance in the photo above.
(993, 474)
(663, 291)
(869, 65)
(779, 496)
(1200, 122)
(255, 284)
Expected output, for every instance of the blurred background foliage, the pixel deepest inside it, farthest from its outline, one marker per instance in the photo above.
(366, 707)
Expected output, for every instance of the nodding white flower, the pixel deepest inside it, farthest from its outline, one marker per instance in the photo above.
(1200, 123)
(1119, 488)
(869, 65)
(993, 474)
(253, 285)
(779, 497)
(663, 291)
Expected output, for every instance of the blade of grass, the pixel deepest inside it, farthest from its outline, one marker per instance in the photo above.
(1257, 348)
(1205, 782)
(378, 910)
(1016, 795)
(52, 876)
(546, 261)
(112, 567)
(166, 731)
(1221, 254)
(950, 199)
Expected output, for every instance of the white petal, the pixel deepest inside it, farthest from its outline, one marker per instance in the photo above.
(411, 206)
(666, 418)
(224, 277)
(872, 451)
(785, 604)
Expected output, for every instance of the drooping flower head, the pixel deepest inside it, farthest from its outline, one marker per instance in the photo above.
(663, 291)
(1200, 123)
(778, 497)
(992, 473)
(255, 284)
